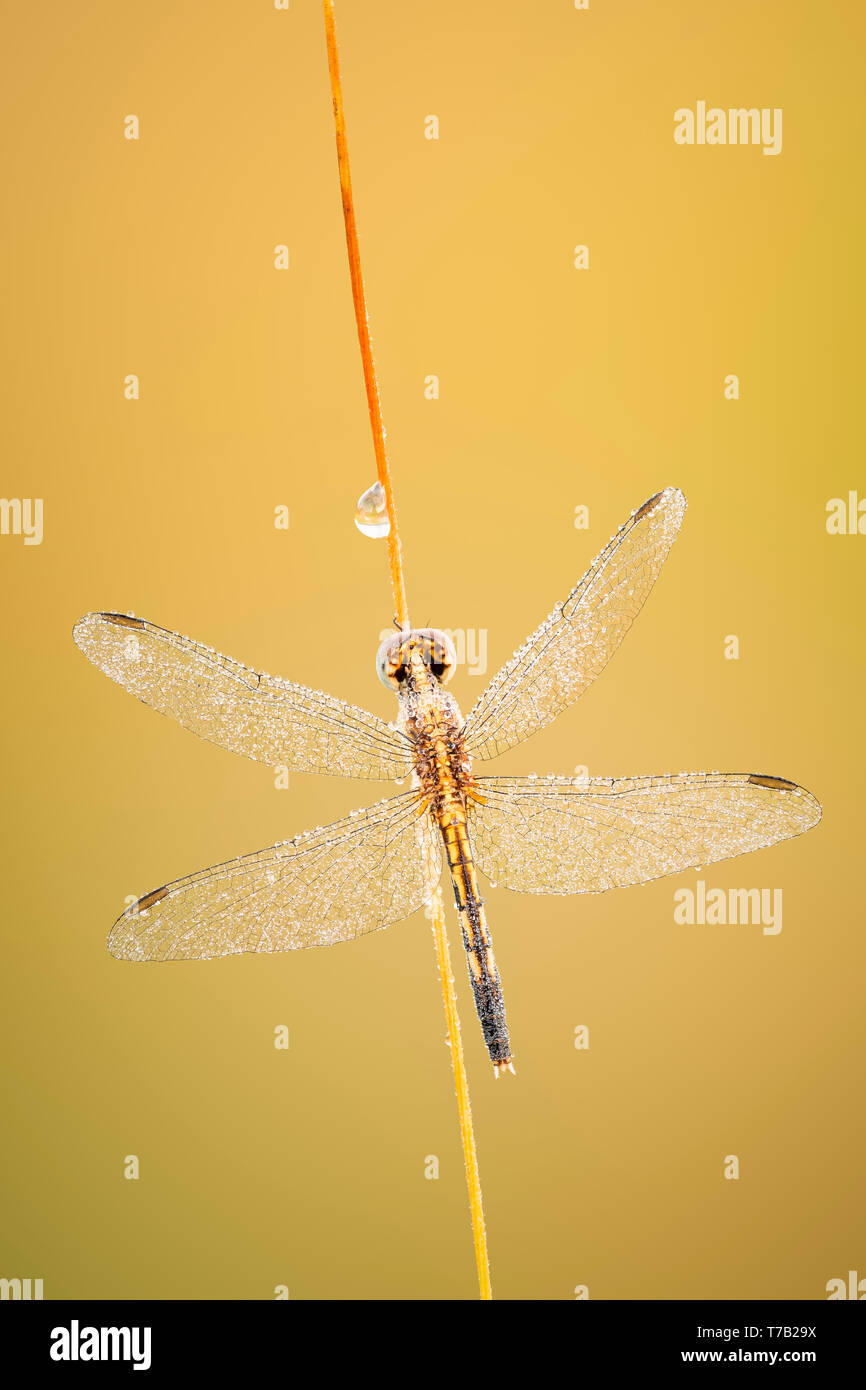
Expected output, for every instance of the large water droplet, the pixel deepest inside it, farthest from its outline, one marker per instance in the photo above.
(371, 514)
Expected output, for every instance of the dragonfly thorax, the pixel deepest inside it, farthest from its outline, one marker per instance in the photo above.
(417, 664)
(414, 659)
(432, 720)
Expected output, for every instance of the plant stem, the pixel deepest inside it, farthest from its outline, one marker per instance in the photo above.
(461, 1085)
(437, 913)
(358, 299)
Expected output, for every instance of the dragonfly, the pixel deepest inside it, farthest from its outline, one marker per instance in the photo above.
(548, 835)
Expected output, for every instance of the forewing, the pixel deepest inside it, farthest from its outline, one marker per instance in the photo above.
(575, 642)
(333, 884)
(260, 716)
(573, 835)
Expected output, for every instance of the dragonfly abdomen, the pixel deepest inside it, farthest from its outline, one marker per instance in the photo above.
(483, 971)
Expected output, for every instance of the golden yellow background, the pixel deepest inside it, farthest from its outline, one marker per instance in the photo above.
(558, 388)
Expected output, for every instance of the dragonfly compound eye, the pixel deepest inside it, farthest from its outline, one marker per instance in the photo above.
(391, 661)
(433, 646)
(438, 652)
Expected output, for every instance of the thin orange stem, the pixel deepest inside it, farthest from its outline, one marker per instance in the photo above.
(363, 322)
(437, 911)
(464, 1110)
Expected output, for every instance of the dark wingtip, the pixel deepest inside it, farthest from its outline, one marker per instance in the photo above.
(779, 784)
(122, 620)
(150, 898)
(648, 506)
(118, 937)
(656, 500)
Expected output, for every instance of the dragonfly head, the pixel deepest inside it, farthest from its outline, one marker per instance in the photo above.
(400, 654)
